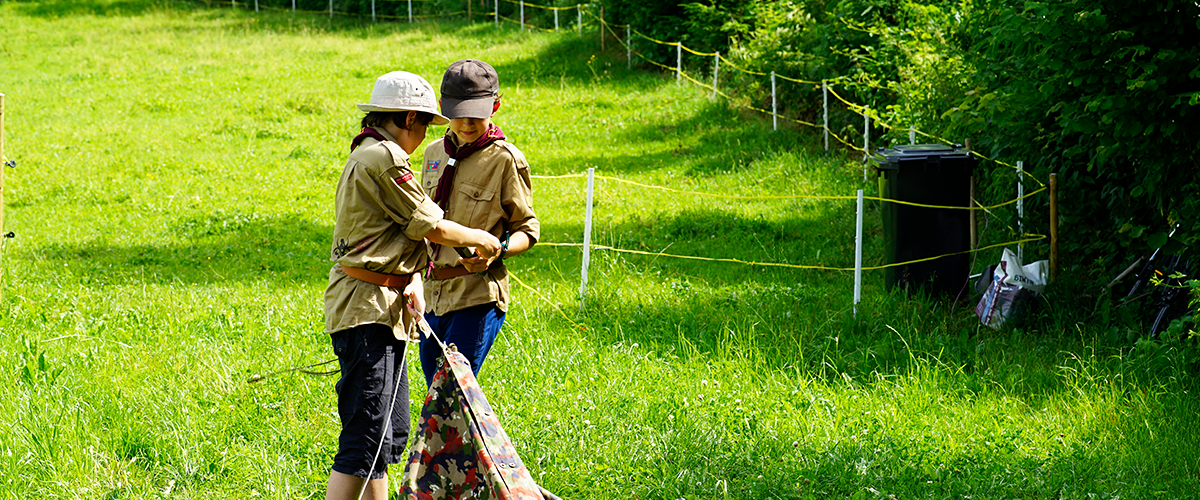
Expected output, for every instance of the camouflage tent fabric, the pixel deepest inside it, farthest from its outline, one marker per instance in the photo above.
(460, 451)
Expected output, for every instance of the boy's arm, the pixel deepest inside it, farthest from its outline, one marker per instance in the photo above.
(453, 234)
(518, 243)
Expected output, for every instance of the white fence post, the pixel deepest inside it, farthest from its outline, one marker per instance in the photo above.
(1021, 209)
(678, 61)
(372, 10)
(716, 67)
(912, 134)
(522, 3)
(293, 7)
(825, 106)
(495, 11)
(331, 9)
(587, 236)
(579, 21)
(774, 111)
(858, 254)
(409, 11)
(555, 20)
(255, 5)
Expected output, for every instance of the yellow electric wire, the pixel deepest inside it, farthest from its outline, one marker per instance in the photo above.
(577, 326)
(730, 63)
(1029, 238)
(703, 54)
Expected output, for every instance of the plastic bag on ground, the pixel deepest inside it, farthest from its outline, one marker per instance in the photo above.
(1012, 287)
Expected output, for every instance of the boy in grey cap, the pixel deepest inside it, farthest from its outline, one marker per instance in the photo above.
(481, 181)
(375, 288)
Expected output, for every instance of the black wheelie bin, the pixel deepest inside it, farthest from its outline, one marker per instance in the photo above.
(936, 176)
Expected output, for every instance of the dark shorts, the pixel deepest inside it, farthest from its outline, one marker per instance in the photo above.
(370, 358)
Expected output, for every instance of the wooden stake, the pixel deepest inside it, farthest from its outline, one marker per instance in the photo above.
(1053, 226)
(601, 28)
(468, 11)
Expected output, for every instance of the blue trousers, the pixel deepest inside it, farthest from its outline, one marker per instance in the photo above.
(473, 330)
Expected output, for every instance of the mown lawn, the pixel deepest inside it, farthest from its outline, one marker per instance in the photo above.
(172, 208)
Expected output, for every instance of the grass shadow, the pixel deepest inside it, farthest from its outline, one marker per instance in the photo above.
(210, 249)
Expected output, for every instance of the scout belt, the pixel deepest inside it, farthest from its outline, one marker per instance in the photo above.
(445, 273)
(381, 279)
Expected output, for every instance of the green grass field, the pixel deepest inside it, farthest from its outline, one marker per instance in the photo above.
(172, 204)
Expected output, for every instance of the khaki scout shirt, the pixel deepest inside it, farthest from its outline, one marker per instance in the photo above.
(383, 216)
(492, 192)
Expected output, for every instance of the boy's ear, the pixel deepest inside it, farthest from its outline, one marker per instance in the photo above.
(409, 119)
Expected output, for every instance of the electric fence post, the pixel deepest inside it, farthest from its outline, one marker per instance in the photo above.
(678, 62)
(3, 163)
(858, 234)
(825, 108)
(774, 110)
(587, 237)
(716, 68)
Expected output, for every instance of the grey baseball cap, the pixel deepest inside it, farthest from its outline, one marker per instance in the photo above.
(404, 91)
(469, 89)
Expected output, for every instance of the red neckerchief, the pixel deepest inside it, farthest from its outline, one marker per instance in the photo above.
(366, 132)
(442, 195)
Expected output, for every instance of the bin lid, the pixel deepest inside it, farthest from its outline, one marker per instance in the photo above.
(891, 158)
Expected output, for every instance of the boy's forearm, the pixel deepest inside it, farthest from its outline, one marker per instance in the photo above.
(453, 234)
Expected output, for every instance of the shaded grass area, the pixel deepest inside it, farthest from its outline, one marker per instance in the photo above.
(172, 205)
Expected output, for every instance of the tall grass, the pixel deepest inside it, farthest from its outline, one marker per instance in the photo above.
(172, 206)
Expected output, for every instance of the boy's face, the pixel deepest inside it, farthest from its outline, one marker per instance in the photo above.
(467, 130)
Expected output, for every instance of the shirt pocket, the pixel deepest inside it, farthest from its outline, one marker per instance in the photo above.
(477, 205)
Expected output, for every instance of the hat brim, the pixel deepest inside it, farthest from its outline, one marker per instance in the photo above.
(438, 118)
(467, 108)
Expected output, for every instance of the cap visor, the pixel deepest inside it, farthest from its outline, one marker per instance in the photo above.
(467, 108)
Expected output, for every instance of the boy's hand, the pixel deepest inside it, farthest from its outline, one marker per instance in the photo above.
(488, 246)
(415, 293)
(477, 264)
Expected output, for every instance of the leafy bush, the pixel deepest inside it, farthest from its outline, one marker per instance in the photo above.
(1102, 93)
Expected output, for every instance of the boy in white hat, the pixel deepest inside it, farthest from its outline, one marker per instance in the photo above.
(375, 289)
(481, 181)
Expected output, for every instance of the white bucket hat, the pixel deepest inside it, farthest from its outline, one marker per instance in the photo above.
(404, 91)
